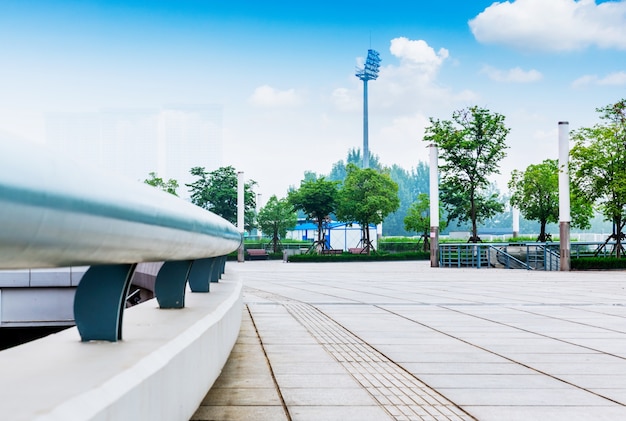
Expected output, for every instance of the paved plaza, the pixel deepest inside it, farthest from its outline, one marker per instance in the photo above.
(404, 341)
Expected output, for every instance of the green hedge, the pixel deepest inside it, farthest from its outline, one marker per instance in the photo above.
(399, 246)
(348, 257)
(233, 256)
(597, 263)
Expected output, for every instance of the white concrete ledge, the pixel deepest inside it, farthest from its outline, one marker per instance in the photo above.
(161, 370)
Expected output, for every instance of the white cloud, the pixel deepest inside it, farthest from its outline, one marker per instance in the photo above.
(418, 55)
(404, 141)
(553, 25)
(617, 78)
(345, 100)
(612, 79)
(406, 127)
(584, 81)
(407, 86)
(515, 75)
(266, 96)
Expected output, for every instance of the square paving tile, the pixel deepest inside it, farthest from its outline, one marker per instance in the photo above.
(338, 413)
(354, 396)
(218, 396)
(239, 413)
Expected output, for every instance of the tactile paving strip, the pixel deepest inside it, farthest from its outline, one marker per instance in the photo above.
(400, 393)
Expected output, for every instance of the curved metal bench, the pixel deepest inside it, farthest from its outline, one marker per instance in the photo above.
(57, 214)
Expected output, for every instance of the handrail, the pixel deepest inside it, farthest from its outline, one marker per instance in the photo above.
(551, 257)
(56, 213)
(509, 258)
(479, 255)
(538, 255)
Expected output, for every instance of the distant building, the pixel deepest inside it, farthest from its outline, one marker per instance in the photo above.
(134, 142)
(337, 235)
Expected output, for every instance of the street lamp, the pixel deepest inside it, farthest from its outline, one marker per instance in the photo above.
(368, 72)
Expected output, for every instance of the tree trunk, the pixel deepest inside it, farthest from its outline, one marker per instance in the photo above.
(542, 232)
(363, 238)
(618, 237)
(320, 234)
(474, 238)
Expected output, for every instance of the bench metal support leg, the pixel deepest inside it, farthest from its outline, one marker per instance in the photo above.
(201, 273)
(100, 300)
(223, 265)
(218, 269)
(170, 283)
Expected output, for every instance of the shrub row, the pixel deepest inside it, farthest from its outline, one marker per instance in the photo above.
(232, 256)
(388, 246)
(348, 257)
(597, 263)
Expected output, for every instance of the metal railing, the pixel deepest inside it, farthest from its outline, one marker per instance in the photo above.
(478, 255)
(529, 256)
(57, 214)
(590, 248)
(533, 256)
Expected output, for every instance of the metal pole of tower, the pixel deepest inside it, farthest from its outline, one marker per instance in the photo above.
(368, 72)
(366, 152)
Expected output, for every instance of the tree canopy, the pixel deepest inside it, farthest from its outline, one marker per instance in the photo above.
(317, 199)
(339, 169)
(275, 219)
(168, 186)
(598, 166)
(217, 191)
(535, 192)
(471, 145)
(410, 184)
(367, 197)
(417, 218)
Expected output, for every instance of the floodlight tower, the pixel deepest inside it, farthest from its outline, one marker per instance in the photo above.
(368, 72)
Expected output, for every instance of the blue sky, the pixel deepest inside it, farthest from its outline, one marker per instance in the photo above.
(284, 71)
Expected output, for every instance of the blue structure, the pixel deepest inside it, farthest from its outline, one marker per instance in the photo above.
(367, 73)
(337, 235)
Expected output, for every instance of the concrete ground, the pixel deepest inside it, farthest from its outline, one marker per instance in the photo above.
(404, 341)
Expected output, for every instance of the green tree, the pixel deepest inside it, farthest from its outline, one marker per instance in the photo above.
(317, 199)
(417, 219)
(339, 169)
(471, 145)
(598, 164)
(502, 220)
(216, 191)
(367, 197)
(168, 186)
(275, 219)
(535, 192)
(310, 176)
(410, 185)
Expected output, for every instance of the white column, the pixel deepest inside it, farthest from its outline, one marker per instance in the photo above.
(515, 221)
(240, 213)
(564, 201)
(258, 208)
(434, 206)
